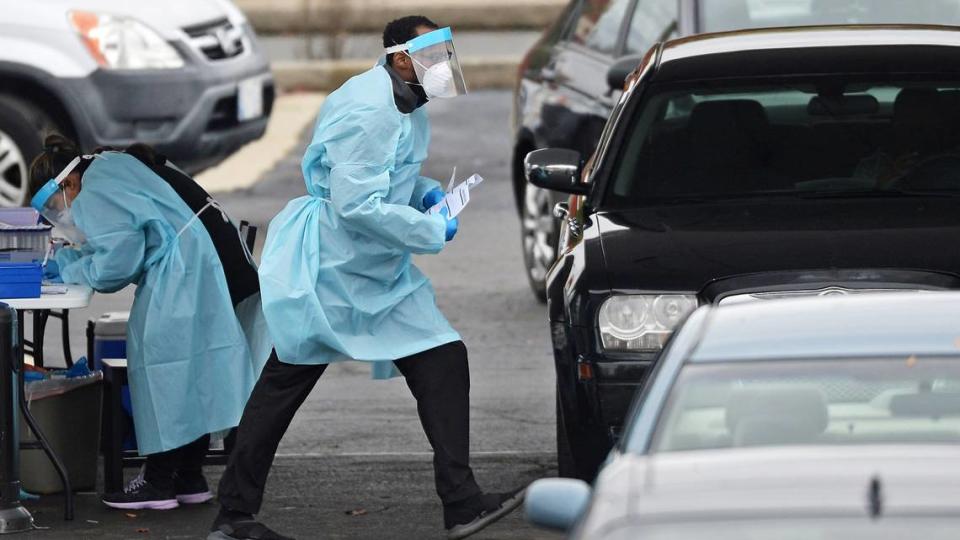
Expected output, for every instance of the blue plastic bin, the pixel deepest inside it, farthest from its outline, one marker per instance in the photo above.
(20, 280)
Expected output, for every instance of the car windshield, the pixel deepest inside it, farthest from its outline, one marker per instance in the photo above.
(812, 402)
(821, 136)
(724, 15)
(894, 528)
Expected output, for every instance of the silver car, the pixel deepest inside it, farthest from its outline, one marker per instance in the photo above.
(830, 418)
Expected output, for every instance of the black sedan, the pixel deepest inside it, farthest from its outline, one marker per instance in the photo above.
(571, 78)
(741, 167)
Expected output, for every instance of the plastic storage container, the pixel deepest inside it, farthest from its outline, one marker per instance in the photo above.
(68, 411)
(22, 238)
(109, 336)
(20, 280)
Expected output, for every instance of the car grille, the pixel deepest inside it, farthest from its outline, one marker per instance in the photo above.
(217, 40)
(826, 291)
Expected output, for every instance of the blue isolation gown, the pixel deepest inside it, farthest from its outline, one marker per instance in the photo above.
(336, 277)
(189, 365)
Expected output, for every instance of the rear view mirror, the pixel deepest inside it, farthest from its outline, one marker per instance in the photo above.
(556, 503)
(617, 76)
(555, 169)
(854, 105)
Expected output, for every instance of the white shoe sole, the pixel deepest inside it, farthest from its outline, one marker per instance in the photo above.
(195, 498)
(166, 504)
(462, 531)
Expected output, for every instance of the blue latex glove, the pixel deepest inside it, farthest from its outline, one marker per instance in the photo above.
(51, 271)
(452, 225)
(432, 197)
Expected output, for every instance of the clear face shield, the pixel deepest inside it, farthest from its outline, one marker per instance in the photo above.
(51, 202)
(436, 64)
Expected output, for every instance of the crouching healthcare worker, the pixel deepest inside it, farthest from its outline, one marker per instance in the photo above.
(338, 283)
(190, 364)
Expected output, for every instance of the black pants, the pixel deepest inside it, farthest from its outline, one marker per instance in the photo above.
(439, 380)
(186, 461)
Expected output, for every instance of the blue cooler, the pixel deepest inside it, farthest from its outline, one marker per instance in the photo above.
(20, 280)
(108, 335)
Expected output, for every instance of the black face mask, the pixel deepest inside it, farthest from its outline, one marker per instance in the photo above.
(419, 91)
(408, 96)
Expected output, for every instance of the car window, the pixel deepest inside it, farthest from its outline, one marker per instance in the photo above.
(652, 21)
(598, 25)
(724, 15)
(911, 400)
(820, 137)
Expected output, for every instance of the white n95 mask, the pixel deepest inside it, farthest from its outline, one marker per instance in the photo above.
(438, 81)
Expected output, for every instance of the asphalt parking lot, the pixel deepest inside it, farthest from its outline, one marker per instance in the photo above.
(355, 463)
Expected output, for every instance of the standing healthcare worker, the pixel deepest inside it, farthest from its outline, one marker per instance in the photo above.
(190, 366)
(338, 284)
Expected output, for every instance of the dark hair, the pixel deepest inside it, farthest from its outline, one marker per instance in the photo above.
(58, 152)
(403, 30)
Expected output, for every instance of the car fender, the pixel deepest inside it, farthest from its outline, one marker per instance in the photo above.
(71, 104)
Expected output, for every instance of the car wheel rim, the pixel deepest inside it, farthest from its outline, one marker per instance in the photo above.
(538, 230)
(13, 172)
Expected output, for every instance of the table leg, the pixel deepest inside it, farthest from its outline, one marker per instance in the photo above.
(113, 433)
(35, 428)
(65, 337)
(40, 317)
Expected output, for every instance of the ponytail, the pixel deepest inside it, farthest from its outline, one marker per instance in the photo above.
(58, 152)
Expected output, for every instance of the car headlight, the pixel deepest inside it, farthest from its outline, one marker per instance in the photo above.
(642, 322)
(123, 43)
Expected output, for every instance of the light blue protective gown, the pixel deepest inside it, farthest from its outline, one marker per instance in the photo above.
(189, 365)
(335, 276)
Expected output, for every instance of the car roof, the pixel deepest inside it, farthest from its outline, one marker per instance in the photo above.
(785, 481)
(881, 49)
(876, 324)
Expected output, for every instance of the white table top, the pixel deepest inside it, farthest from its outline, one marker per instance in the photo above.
(77, 296)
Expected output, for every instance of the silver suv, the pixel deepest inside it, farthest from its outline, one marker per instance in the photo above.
(186, 76)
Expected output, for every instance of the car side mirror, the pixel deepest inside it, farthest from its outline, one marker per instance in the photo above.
(621, 69)
(556, 503)
(556, 169)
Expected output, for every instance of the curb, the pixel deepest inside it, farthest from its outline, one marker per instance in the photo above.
(525, 15)
(328, 75)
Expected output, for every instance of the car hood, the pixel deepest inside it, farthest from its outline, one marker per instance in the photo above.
(685, 248)
(777, 482)
(167, 17)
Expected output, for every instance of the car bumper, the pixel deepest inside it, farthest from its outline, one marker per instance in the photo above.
(613, 387)
(187, 114)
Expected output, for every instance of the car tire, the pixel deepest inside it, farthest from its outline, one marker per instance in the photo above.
(22, 128)
(540, 232)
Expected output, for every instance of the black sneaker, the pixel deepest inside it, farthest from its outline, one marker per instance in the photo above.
(478, 512)
(191, 489)
(142, 495)
(246, 528)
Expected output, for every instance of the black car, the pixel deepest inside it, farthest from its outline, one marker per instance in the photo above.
(741, 167)
(572, 77)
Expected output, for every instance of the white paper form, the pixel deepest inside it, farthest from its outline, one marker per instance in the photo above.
(458, 197)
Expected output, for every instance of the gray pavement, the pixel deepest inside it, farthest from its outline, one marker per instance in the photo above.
(356, 444)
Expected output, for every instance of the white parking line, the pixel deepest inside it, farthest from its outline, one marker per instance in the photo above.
(291, 114)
